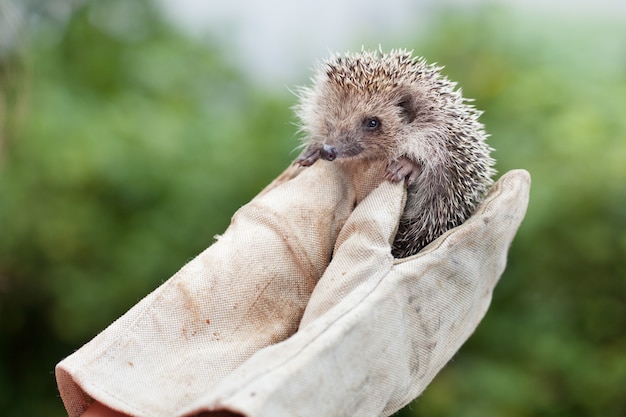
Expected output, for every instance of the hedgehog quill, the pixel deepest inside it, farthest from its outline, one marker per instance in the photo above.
(398, 108)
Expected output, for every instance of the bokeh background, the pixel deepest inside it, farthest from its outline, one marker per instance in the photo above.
(130, 131)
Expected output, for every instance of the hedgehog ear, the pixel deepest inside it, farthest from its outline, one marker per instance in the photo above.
(408, 107)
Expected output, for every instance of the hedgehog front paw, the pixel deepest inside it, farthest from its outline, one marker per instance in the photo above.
(402, 168)
(309, 156)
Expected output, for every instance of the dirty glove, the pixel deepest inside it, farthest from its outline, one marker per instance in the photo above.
(374, 333)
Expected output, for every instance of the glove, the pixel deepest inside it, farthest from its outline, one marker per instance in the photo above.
(374, 333)
(377, 330)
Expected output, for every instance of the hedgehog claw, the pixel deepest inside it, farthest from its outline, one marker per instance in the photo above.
(309, 157)
(402, 168)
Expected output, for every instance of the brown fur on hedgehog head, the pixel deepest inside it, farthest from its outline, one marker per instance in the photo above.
(389, 106)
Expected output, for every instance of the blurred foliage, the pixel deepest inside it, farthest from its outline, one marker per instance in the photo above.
(138, 145)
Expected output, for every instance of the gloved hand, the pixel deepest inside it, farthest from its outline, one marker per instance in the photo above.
(374, 333)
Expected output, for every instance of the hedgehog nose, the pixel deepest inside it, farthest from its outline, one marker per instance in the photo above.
(328, 153)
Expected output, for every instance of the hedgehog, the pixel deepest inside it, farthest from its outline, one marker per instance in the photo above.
(398, 108)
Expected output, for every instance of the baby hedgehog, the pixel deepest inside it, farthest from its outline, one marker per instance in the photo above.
(400, 109)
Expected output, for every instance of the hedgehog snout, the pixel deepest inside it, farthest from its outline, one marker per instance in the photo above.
(328, 152)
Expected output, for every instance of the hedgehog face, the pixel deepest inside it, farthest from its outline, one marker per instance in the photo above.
(351, 122)
(357, 124)
(371, 105)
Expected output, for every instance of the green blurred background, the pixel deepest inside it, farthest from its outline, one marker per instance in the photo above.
(123, 154)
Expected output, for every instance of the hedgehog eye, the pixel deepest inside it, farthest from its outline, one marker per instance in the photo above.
(372, 123)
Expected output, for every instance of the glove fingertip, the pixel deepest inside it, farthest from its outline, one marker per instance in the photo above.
(512, 190)
(377, 216)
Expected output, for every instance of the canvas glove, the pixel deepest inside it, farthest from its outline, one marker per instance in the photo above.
(374, 333)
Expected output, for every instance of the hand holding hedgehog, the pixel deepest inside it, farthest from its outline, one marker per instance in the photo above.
(399, 109)
(261, 324)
